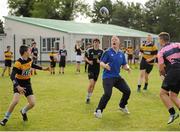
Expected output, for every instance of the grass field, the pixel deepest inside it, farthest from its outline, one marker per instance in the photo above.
(60, 105)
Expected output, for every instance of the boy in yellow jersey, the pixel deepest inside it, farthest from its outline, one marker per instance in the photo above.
(53, 60)
(20, 77)
(149, 53)
(7, 60)
(130, 55)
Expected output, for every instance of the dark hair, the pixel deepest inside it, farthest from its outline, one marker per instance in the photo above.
(96, 40)
(8, 46)
(164, 36)
(23, 49)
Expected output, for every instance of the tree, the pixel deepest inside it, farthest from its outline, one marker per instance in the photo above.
(21, 7)
(1, 27)
(59, 9)
(163, 15)
(96, 17)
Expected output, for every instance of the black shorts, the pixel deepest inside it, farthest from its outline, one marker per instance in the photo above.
(172, 81)
(93, 75)
(53, 64)
(130, 57)
(35, 60)
(8, 63)
(27, 85)
(62, 63)
(145, 66)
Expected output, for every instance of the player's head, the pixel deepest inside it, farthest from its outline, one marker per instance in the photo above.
(115, 42)
(164, 38)
(96, 43)
(34, 44)
(8, 48)
(24, 51)
(149, 38)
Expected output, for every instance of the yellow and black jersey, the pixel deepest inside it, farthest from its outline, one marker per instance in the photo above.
(52, 57)
(148, 50)
(22, 70)
(129, 51)
(8, 55)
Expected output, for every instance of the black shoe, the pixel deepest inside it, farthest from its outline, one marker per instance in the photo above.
(145, 88)
(87, 101)
(3, 122)
(24, 116)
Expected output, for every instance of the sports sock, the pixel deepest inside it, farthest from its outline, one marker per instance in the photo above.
(139, 86)
(172, 111)
(24, 110)
(89, 95)
(145, 85)
(7, 115)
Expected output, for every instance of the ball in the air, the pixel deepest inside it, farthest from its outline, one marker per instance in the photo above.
(104, 12)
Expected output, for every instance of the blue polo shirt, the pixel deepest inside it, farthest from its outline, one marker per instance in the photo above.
(115, 60)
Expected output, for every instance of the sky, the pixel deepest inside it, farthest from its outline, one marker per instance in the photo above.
(4, 8)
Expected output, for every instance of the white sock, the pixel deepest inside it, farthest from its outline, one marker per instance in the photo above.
(89, 95)
(24, 110)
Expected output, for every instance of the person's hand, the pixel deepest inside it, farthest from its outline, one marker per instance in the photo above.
(46, 68)
(107, 67)
(90, 62)
(21, 90)
(162, 77)
(148, 60)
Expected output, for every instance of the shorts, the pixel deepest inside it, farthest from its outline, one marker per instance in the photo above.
(62, 63)
(53, 64)
(130, 57)
(35, 60)
(172, 81)
(8, 63)
(78, 58)
(27, 85)
(93, 75)
(145, 66)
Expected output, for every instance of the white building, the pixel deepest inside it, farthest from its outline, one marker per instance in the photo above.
(49, 34)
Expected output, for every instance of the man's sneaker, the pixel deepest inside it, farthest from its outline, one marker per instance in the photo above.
(145, 88)
(3, 122)
(124, 110)
(98, 114)
(24, 116)
(172, 118)
(87, 101)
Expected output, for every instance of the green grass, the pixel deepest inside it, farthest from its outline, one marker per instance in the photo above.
(60, 105)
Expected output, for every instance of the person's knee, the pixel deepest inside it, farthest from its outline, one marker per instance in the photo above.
(32, 103)
(163, 93)
(107, 96)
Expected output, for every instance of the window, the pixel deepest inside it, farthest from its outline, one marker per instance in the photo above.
(27, 41)
(127, 43)
(86, 42)
(49, 43)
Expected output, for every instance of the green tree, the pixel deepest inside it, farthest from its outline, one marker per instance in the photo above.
(59, 9)
(96, 17)
(1, 27)
(21, 7)
(163, 15)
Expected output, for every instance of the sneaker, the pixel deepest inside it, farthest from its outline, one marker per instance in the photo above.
(145, 88)
(87, 101)
(172, 118)
(3, 122)
(124, 110)
(98, 114)
(24, 116)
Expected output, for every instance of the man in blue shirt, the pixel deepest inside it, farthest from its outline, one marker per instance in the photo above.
(112, 60)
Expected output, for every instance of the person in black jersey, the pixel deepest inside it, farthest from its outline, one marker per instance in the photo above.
(20, 76)
(34, 53)
(62, 60)
(86, 63)
(92, 56)
(78, 51)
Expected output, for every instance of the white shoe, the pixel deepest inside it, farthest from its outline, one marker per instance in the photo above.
(98, 114)
(172, 118)
(124, 110)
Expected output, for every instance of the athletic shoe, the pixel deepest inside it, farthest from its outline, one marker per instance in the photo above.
(24, 116)
(145, 88)
(98, 114)
(88, 101)
(124, 110)
(172, 118)
(3, 122)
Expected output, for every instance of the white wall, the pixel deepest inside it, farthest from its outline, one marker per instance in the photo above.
(2, 47)
(22, 30)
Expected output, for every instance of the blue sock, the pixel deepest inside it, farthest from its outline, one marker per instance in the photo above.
(7, 115)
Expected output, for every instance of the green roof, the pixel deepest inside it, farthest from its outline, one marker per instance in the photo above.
(81, 28)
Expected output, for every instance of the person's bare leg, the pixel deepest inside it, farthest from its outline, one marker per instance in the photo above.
(30, 105)
(146, 80)
(90, 90)
(140, 80)
(175, 99)
(4, 70)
